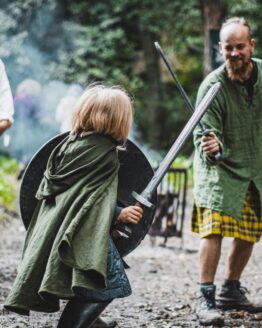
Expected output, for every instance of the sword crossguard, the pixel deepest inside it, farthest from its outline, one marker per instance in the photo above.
(142, 200)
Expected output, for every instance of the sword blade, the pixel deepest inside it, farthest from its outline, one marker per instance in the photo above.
(218, 156)
(179, 86)
(145, 196)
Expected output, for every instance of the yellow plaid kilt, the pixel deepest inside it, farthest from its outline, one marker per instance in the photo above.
(208, 222)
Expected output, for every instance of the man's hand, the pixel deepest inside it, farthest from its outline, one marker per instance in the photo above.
(4, 124)
(210, 144)
(131, 214)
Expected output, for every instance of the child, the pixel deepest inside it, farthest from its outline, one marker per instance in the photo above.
(68, 249)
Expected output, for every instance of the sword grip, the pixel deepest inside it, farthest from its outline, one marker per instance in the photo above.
(218, 156)
(124, 230)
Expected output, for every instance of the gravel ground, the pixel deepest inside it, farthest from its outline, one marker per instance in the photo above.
(164, 282)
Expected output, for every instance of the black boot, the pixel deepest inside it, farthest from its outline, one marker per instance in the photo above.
(206, 310)
(80, 314)
(233, 296)
(100, 323)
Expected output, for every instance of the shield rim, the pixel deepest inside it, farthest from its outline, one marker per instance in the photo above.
(120, 243)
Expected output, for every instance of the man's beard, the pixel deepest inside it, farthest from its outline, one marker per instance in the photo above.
(238, 73)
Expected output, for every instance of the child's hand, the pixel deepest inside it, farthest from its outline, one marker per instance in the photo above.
(130, 214)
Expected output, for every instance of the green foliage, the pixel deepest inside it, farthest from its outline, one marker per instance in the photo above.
(8, 185)
(112, 41)
(252, 11)
(98, 50)
(111, 46)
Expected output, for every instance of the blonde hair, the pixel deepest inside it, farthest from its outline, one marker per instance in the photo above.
(103, 110)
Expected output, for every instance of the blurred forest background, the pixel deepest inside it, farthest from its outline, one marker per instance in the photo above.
(109, 40)
(83, 41)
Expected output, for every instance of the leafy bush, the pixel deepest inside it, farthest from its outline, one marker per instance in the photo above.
(8, 183)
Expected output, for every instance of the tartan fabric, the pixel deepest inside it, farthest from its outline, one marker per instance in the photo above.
(208, 222)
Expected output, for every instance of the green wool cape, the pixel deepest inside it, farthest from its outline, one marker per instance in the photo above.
(67, 240)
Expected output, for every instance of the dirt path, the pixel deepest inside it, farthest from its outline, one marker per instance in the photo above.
(164, 282)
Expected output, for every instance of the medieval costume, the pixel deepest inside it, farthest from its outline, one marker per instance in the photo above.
(228, 195)
(238, 175)
(68, 252)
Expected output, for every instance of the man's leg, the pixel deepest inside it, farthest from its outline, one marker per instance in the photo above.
(238, 257)
(209, 255)
(232, 295)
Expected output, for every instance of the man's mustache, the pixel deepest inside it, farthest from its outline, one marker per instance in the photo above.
(235, 59)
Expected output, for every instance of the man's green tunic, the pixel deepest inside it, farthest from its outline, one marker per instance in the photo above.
(67, 241)
(238, 124)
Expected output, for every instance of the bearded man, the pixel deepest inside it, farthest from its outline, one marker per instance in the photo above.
(228, 194)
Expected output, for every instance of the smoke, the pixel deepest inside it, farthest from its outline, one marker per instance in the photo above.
(33, 45)
(35, 41)
(35, 117)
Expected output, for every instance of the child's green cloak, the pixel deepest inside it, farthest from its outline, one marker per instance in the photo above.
(67, 241)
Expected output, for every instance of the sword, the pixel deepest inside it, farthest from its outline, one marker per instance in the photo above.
(143, 199)
(217, 156)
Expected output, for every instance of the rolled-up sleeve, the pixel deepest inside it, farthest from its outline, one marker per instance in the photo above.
(6, 99)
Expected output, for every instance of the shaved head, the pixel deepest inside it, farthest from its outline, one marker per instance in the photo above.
(236, 30)
(235, 22)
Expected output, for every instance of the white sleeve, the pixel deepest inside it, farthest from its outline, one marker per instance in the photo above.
(6, 99)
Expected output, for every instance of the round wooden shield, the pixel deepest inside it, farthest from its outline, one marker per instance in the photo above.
(134, 174)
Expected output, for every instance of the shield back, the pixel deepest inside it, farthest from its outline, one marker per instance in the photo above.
(134, 174)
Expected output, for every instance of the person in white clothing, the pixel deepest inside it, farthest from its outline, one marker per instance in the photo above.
(6, 101)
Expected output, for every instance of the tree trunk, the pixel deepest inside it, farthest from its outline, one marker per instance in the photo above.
(153, 93)
(213, 13)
